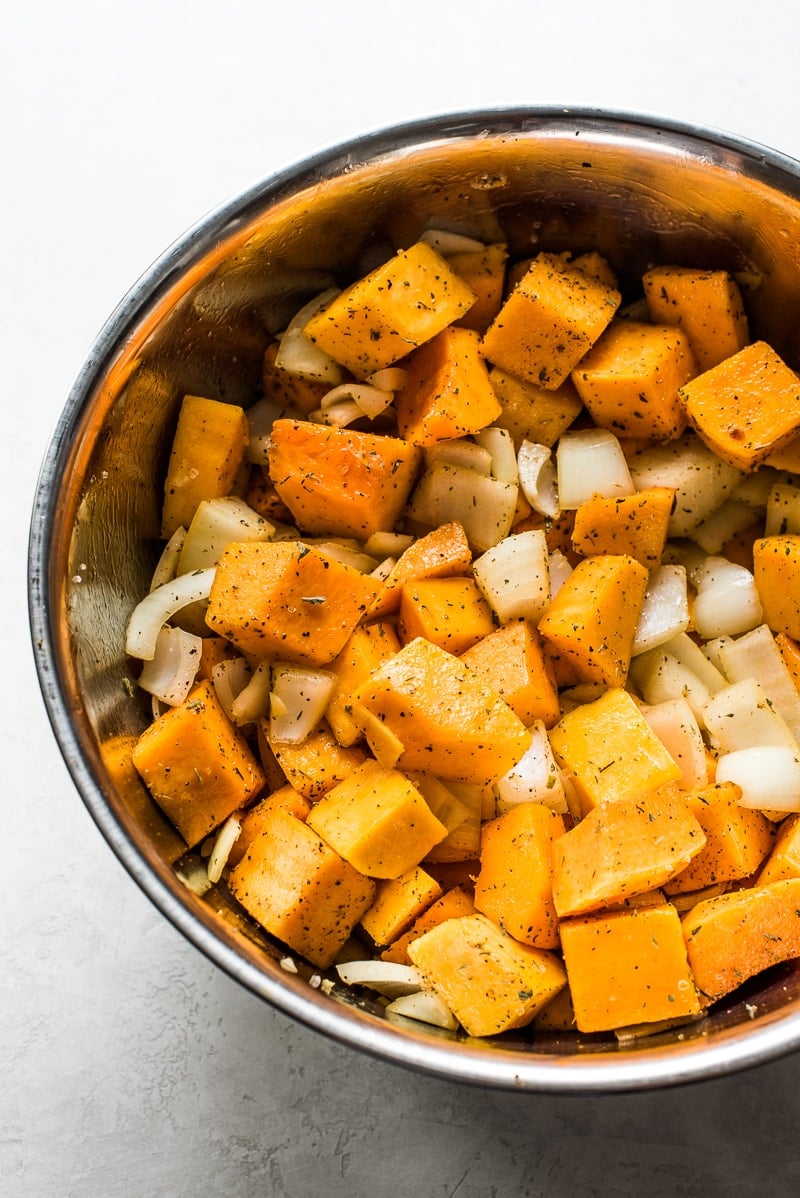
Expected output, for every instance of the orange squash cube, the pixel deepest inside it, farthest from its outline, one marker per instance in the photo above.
(632, 524)
(515, 883)
(549, 321)
(452, 905)
(628, 967)
(441, 553)
(315, 765)
(630, 377)
(397, 902)
(450, 612)
(532, 413)
(196, 765)
(706, 304)
(447, 393)
(484, 272)
(207, 454)
(747, 407)
(737, 839)
(339, 482)
(286, 601)
(401, 304)
(378, 821)
(490, 982)
(366, 649)
(299, 889)
(784, 859)
(776, 568)
(256, 819)
(511, 661)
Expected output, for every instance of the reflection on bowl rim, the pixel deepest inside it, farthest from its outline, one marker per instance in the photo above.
(732, 1048)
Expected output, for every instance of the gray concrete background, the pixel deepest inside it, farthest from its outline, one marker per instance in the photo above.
(131, 1066)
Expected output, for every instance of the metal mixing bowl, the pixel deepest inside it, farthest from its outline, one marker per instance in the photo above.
(640, 191)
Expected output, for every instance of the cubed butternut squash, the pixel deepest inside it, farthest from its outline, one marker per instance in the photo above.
(398, 902)
(737, 935)
(592, 619)
(447, 392)
(635, 525)
(207, 454)
(484, 272)
(196, 765)
(629, 379)
(490, 982)
(515, 883)
(450, 612)
(627, 967)
(293, 392)
(609, 751)
(299, 889)
(377, 820)
(737, 839)
(747, 407)
(784, 858)
(706, 304)
(367, 647)
(776, 569)
(286, 601)
(452, 905)
(511, 661)
(549, 321)
(441, 553)
(401, 304)
(315, 765)
(532, 413)
(117, 756)
(256, 819)
(443, 716)
(340, 482)
(622, 849)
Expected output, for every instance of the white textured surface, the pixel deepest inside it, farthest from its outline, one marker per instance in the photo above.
(130, 1066)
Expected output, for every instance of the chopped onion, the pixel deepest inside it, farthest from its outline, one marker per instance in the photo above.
(338, 415)
(534, 779)
(701, 481)
(460, 452)
(253, 701)
(660, 676)
(483, 505)
(224, 842)
(194, 876)
(754, 489)
(229, 678)
(386, 977)
(783, 510)
(217, 523)
(665, 611)
(305, 693)
(756, 655)
(387, 544)
(260, 419)
(448, 243)
(370, 401)
(170, 673)
(769, 777)
(727, 601)
(349, 554)
(683, 552)
(152, 612)
(730, 518)
(741, 717)
(167, 564)
(559, 569)
(590, 462)
(298, 355)
(689, 653)
(537, 478)
(391, 378)
(675, 725)
(426, 1007)
(383, 569)
(514, 576)
(500, 445)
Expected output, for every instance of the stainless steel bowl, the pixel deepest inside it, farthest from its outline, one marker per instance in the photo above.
(198, 321)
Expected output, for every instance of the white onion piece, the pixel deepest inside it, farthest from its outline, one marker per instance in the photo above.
(730, 518)
(370, 400)
(391, 378)
(754, 489)
(194, 876)
(348, 555)
(224, 842)
(537, 478)
(217, 523)
(685, 553)
(660, 676)
(514, 576)
(769, 777)
(447, 242)
(387, 544)
(460, 452)
(383, 569)
(229, 678)
(783, 510)
(386, 977)
(701, 481)
(534, 779)
(689, 653)
(559, 569)
(713, 651)
(338, 415)
(756, 655)
(260, 419)
(305, 693)
(152, 612)
(727, 601)
(675, 725)
(590, 462)
(500, 445)
(482, 505)
(741, 717)
(298, 355)
(173, 668)
(253, 701)
(426, 1007)
(167, 564)
(665, 611)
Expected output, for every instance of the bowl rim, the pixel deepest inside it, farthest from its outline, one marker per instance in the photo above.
(733, 1049)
